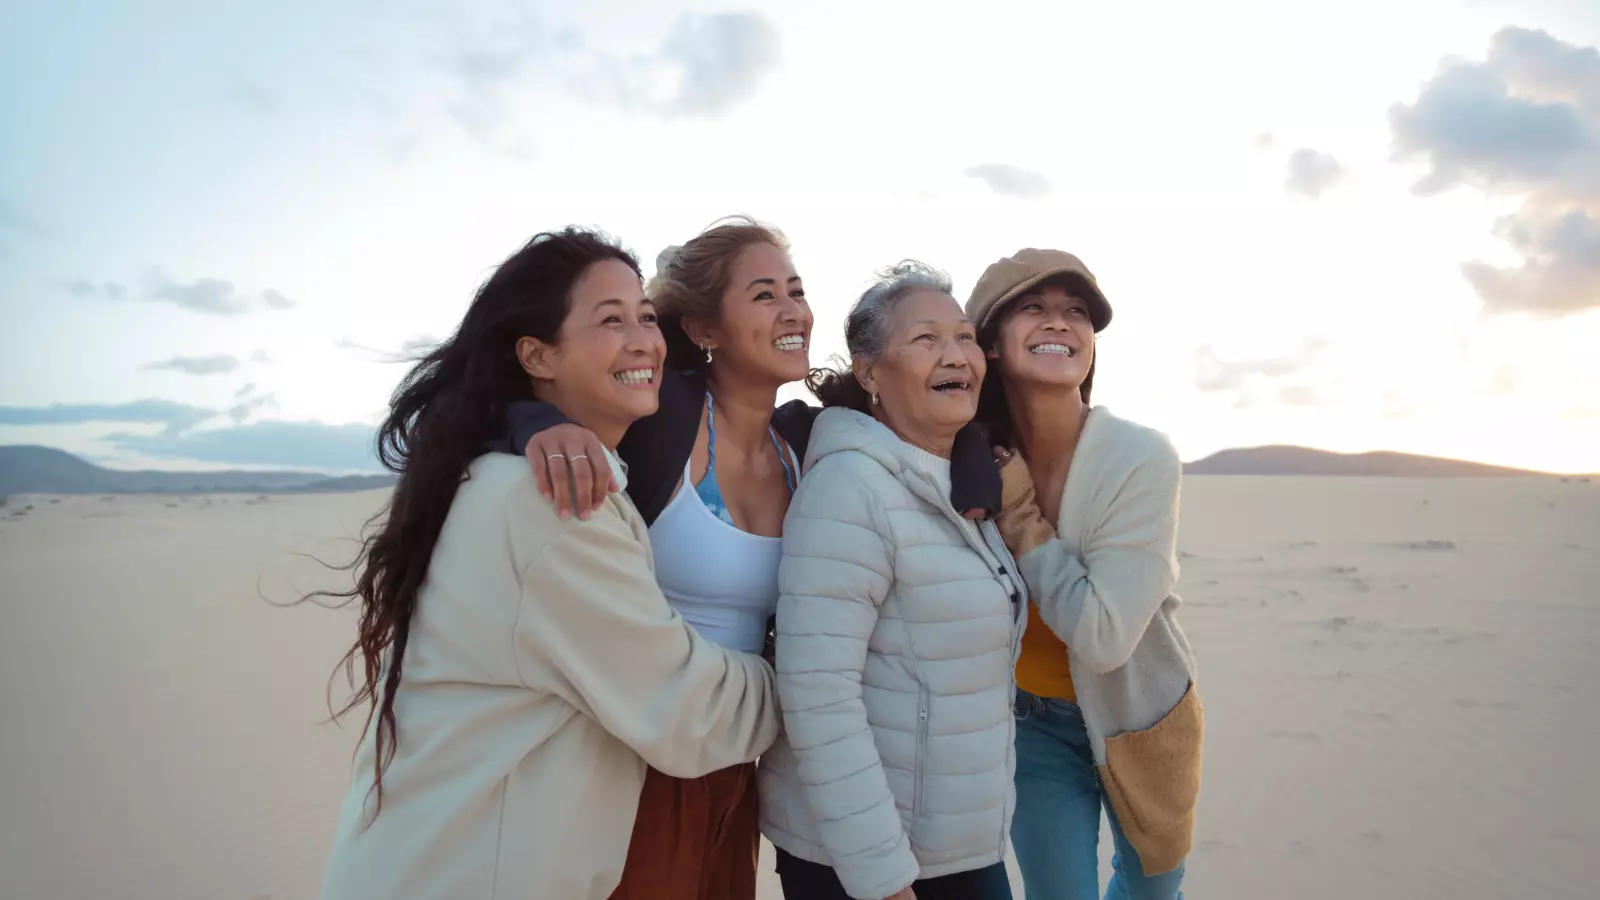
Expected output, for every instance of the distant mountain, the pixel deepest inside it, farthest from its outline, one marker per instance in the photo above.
(44, 470)
(1282, 460)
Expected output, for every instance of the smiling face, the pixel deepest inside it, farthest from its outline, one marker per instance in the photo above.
(604, 369)
(1045, 338)
(928, 376)
(763, 332)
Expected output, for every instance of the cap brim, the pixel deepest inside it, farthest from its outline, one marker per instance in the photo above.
(1099, 306)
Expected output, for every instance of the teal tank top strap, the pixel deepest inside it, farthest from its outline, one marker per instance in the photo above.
(709, 492)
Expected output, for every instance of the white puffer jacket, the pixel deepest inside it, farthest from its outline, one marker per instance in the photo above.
(898, 632)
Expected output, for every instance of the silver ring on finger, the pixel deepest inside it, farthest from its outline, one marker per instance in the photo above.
(550, 456)
(582, 456)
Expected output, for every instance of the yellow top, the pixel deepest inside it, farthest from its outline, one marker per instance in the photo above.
(1042, 667)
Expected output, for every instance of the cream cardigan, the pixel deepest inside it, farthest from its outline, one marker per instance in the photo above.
(1102, 576)
(544, 672)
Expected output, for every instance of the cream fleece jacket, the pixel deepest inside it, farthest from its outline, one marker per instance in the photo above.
(1103, 576)
(545, 671)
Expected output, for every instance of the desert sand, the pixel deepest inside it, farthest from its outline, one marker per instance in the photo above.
(1399, 678)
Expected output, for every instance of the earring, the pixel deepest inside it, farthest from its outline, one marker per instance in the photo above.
(874, 399)
(708, 355)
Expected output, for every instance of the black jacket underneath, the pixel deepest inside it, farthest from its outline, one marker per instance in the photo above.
(657, 447)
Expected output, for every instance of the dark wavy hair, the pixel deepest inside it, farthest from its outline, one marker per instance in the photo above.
(994, 412)
(441, 416)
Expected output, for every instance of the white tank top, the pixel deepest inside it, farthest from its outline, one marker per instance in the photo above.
(723, 581)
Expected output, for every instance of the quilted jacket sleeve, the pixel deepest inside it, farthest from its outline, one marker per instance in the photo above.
(836, 571)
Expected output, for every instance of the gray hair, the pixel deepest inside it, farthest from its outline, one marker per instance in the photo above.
(866, 329)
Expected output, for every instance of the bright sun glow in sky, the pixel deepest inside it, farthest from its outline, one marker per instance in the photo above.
(1347, 227)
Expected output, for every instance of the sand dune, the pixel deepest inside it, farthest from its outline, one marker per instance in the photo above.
(1399, 677)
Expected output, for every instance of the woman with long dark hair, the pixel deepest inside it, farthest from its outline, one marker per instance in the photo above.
(1108, 715)
(523, 669)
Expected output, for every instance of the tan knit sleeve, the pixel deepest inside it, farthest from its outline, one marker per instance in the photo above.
(594, 628)
(1020, 522)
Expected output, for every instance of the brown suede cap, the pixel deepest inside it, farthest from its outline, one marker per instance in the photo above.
(1015, 275)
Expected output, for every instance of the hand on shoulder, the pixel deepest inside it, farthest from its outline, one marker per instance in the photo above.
(1016, 480)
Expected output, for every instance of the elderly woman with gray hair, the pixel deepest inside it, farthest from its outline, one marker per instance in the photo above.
(898, 626)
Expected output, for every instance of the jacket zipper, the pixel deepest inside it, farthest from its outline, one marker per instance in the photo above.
(922, 751)
(1017, 591)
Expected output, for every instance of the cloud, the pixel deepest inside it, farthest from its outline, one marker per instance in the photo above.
(1011, 181)
(1311, 172)
(262, 357)
(402, 150)
(84, 289)
(14, 224)
(1582, 412)
(275, 300)
(248, 407)
(1505, 381)
(176, 416)
(707, 65)
(219, 364)
(722, 59)
(704, 66)
(212, 296)
(1560, 272)
(488, 66)
(1299, 395)
(1215, 375)
(1266, 141)
(502, 53)
(1399, 406)
(1522, 124)
(312, 445)
(252, 97)
(207, 295)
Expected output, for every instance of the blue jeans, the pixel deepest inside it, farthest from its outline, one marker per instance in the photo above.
(1056, 829)
(805, 880)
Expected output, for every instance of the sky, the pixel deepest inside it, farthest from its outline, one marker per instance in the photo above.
(1361, 227)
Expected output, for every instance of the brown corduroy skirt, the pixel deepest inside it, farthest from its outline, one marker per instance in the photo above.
(694, 838)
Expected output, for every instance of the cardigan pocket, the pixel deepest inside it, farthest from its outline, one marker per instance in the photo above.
(1152, 778)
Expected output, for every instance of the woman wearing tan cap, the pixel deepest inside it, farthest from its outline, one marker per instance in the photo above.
(1107, 711)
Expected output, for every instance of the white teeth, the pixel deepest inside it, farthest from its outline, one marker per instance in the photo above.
(1059, 349)
(636, 376)
(790, 342)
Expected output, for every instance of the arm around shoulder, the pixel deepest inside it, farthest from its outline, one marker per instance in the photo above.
(594, 628)
(525, 418)
(1100, 601)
